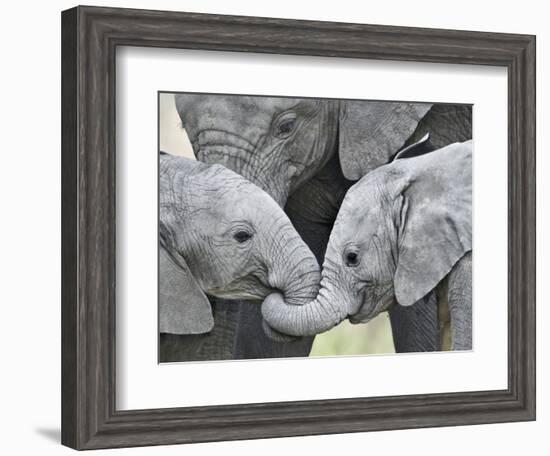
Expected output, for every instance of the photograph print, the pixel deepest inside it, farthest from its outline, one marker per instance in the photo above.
(300, 227)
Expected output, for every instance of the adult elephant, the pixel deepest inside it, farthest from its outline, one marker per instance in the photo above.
(306, 153)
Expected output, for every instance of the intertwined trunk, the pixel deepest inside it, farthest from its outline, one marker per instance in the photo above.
(297, 317)
(294, 271)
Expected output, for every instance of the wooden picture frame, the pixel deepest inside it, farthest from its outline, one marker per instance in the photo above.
(90, 37)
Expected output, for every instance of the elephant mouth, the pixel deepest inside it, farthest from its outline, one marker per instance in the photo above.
(235, 294)
(248, 288)
(355, 319)
(372, 301)
(361, 312)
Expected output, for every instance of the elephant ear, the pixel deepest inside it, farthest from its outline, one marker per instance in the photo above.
(183, 306)
(435, 231)
(371, 132)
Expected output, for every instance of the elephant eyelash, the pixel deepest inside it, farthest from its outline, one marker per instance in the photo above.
(242, 236)
(243, 231)
(285, 125)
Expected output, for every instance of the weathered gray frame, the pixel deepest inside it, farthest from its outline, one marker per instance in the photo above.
(90, 36)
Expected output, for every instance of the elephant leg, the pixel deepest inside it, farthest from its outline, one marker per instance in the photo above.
(237, 334)
(444, 316)
(460, 303)
(214, 345)
(416, 328)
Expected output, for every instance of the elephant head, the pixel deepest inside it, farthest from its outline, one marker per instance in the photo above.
(279, 143)
(399, 232)
(222, 236)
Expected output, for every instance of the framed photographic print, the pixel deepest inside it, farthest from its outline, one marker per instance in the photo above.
(253, 208)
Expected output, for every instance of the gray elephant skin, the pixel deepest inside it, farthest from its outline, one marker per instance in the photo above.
(221, 236)
(306, 153)
(403, 230)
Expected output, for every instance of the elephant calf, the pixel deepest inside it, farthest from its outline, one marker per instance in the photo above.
(222, 236)
(402, 231)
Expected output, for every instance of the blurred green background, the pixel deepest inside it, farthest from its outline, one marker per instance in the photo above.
(344, 339)
(347, 339)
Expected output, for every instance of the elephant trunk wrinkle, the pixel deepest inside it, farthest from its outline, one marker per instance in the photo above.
(224, 137)
(295, 271)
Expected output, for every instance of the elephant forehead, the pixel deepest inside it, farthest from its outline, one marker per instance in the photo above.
(374, 192)
(234, 102)
(354, 228)
(359, 218)
(246, 201)
(358, 204)
(244, 115)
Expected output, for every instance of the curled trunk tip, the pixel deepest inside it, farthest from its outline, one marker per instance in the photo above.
(311, 318)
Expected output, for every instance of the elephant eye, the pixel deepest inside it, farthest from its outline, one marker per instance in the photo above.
(351, 258)
(286, 125)
(242, 236)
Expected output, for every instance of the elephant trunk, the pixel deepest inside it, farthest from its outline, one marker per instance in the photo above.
(306, 319)
(295, 271)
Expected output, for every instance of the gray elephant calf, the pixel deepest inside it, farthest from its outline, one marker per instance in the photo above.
(222, 236)
(403, 230)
